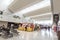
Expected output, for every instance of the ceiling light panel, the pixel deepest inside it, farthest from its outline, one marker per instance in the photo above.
(41, 15)
(37, 6)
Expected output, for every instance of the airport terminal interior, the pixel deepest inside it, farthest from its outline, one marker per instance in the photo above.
(29, 20)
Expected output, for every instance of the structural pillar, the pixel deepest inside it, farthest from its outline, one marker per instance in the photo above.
(56, 11)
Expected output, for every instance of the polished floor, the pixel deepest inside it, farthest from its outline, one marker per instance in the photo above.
(36, 35)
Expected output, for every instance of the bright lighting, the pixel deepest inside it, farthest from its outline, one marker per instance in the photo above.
(5, 3)
(35, 7)
(44, 22)
(41, 15)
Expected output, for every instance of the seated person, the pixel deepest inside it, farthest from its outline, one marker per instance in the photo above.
(7, 30)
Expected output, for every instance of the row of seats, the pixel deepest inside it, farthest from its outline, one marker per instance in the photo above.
(7, 33)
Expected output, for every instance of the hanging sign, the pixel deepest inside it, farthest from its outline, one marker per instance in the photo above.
(56, 18)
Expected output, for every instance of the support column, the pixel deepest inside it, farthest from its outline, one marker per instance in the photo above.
(56, 11)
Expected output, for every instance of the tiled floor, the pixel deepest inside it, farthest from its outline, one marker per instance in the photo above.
(36, 35)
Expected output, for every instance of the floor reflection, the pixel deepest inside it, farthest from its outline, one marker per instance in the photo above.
(36, 35)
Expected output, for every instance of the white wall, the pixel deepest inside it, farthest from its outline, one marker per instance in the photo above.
(56, 6)
(9, 18)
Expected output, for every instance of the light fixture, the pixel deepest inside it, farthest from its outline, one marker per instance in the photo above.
(41, 15)
(34, 7)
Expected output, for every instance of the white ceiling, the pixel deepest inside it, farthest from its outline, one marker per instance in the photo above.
(18, 7)
(21, 4)
(39, 11)
(4, 4)
(46, 16)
